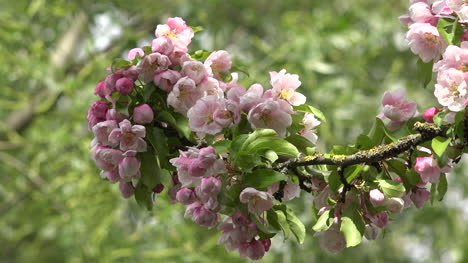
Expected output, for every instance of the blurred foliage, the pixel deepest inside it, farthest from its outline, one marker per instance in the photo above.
(55, 208)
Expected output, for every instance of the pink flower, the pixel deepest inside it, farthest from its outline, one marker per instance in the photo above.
(285, 85)
(454, 57)
(380, 219)
(309, 121)
(101, 90)
(210, 87)
(451, 90)
(124, 86)
(195, 70)
(425, 41)
(428, 169)
(201, 115)
(419, 196)
(394, 205)
(129, 167)
(218, 62)
(237, 230)
(251, 98)
(162, 45)
(112, 114)
(110, 81)
(332, 240)
(429, 114)
(205, 217)
(235, 93)
(107, 158)
(254, 250)
(97, 113)
(178, 32)
(209, 188)
(184, 95)
(420, 12)
(376, 197)
(165, 80)
(257, 201)
(441, 8)
(397, 108)
(143, 114)
(460, 7)
(133, 53)
(102, 131)
(129, 137)
(152, 64)
(126, 189)
(273, 114)
(113, 176)
(186, 196)
(290, 191)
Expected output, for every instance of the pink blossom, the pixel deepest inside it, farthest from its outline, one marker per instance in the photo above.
(257, 201)
(195, 70)
(429, 114)
(320, 200)
(273, 114)
(130, 137)
(266, 244)
(129, 166)
(420, 12)
(371, 232)
(285, 85)
(394, 205)
(428, 169)
(228, 114)
(425, 41)
(236, 231)
(309, 121)
(419, 196)
(152, 64)
(162, 45)
(251, 98)
(179, 58)
(254, 250)
(454, 57)
(165, 80)
(235, 93)
(112, 114)
(133, 53)
(101, 90)
(110, 81)
(130, 72)
(460, 7)
(113, 176)
(332, 240)
(209, 188)
(126, 189)
(186, 196)
(102, 131)
(97, 113)
(290, 191)
(143, 114)
(107, 158)
(380, 219)
(210, 87)
(441, 8)
(184, 95)
(172, 193)
(201, 115)
(397, 108)
(124, 86)
(218, 62)
(205, 217)
(451, 90)
(178, 32)
(376, 197)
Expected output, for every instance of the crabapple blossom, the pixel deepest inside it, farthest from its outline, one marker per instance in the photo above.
(425, 41)
(451, 90)
(126, 189)
(394, 205)
(285, 85)
(124, 86)
(371, 232)
(201, 115)
(254, 250)
(218, 62)
(291, 190)
(101, 90)
(460, 7)
(102, 131)
(112, 114)
(257, 201)
(184, 95)
(152, 64)
(419, 196)
(186, 196)
(97, 113)
(440, 8)
(129, 166)
(178, 32)
(132, 54)
(376, 197)
(397, 108)
(428, 169)
(165, 80)
(454, 57)
(209, 187)
(162, 45)
(332, 240)
(143, 114)
(273, 114)
(380, 219)
(421, 12)
(129, 137)
(205, 217)
(107, 158)
(113, 176)
(251, 98)
(429, 114)
(195, 70)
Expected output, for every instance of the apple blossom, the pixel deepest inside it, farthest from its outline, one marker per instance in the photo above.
(177, 31)
(126, 189)
(162, 45)
(165, 80)
(184, 95)
(376, 197)
(186, 196)
(132, 54)
(129, 137)
(332, 240)
(257, 201)
(420, 196)
(152, 64)
(273, 114)
(285, 85)
(451, 90)
(425, 41)
(124, 86)
(143, 114)
(218, 62)
(397, 108)
(394, 205)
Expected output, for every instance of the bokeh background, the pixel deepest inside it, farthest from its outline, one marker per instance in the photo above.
(55, 208)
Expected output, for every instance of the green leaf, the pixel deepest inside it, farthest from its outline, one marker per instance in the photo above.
(197, 29)
(410, 178)
(149, 169)
(440, 144)
(247, 162)
(200, 54)
(296, 226)
(159, 142)
(270, 155)
(222, 146)
(237, 143)
(442, 186)
(120, 63)
(433, 193)
(143, 196)
(351, 233)
(391, 188)
(334, 181)
(147, 49)
(262, 230)
(363, 142)
(322, 222)
(352, 171)
(261, 178)
(424, 72)
(309, 109)
(277, 219)
(300, 142)
(280, 146)
(235, 68)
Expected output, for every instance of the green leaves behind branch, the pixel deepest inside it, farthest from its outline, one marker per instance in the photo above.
(440, 144)
(391, 188)
(424, 72)
(450, 30)
(283, 218)
(379, 132)
(262, 178)
(309, 109)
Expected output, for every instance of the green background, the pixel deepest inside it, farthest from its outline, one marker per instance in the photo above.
(55, 208)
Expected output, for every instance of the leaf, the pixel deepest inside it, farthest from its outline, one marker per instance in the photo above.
(149, 169)
(424, 72)
(309, 109)
(391, 188)
(277, 219)
(351, 233)
(200, 54)
(440, 144)
(119, 63)
(237, 143)
(159, 142)
(363, 142)
(410, 178)
(351, 173)
(450, 30)
(262, 230)
(270, 155)
(197, 29)
(280, 146)
(322, 222)
(296, 226)
(143, 196)
(235, 68)
(300, 142)
(433, 193)
(442, 186)
(147, 49)
(334, 181)
(222, 146)
(261, 178)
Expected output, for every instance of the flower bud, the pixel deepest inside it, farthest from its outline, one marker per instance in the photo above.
(186, 196)
(112, 176)
(129, 168)
(380, 219)
(395, 205)
(332, 240)
(126, 189)
(124, 86)
(429, 114)
(101, 90)
(371, 232)
(112, 114)
(255, 250)
(195, 70)
(376, 197)
(205, 217)
(111, 80)
(266, 244)
(143, 114)
(210, 186)
(158, 188)
(419, 196)
(133, 53)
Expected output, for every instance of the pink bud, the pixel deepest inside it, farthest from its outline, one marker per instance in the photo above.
(395, 205)
(380, 219)
(162, 45)
(419, 196)
(186, 196)
(110, 81)
(376, 197)
(429, 114)
(195, 70)
(133, 53)
(124, 86)
(205, 217)
(101, 90)
(126, 189)
(255, 250)
(210, 186)
(129, 168)
(158, 188)
(266, 244)
(112, 114)
(113, 176)
(239, 219)
(332, 240)
(428, 169)
(371, 232)
(143, 114)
